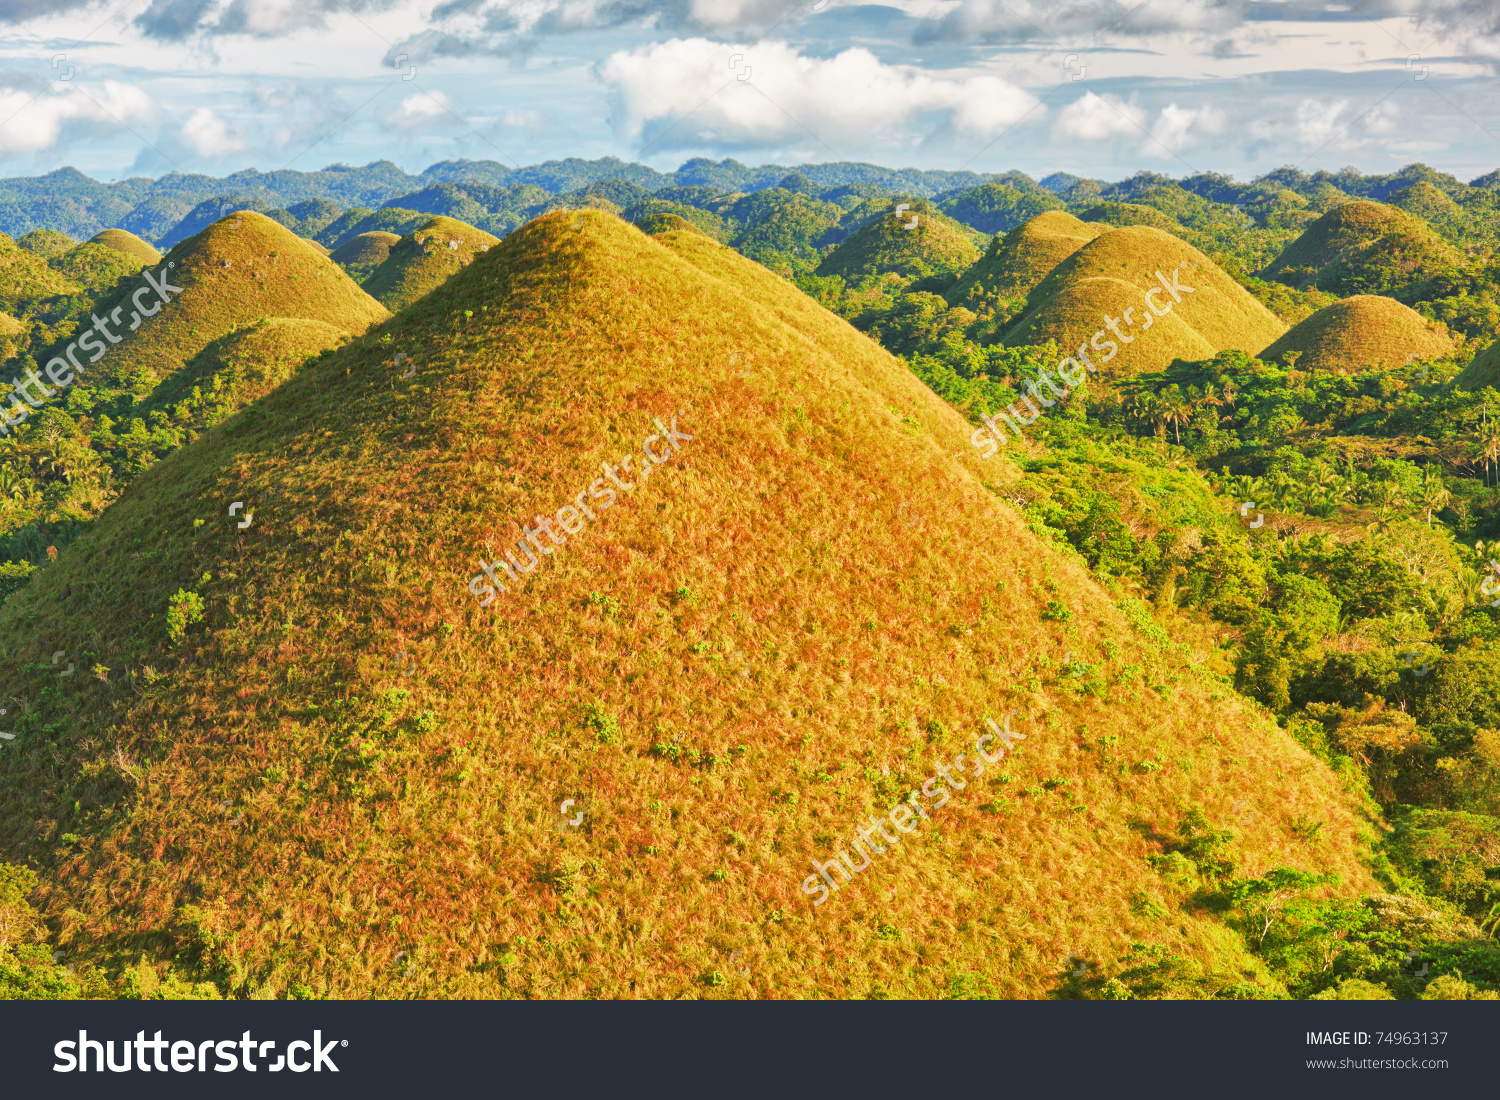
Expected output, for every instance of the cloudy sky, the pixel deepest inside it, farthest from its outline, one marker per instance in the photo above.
(1094, 87)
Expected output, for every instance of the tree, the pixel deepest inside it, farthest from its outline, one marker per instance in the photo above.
(1435, 494)
(1263, 899)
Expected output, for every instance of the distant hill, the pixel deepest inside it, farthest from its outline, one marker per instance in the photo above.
(422, 261)
(27, 280)
(368, 250)
(1483, 370)
(1363, 247)
(128, 243)
(936, 246)
(997, 208)
(236, 271)
(1113, 272)
(1016, 263)
(1362, 331)
(1120, 214)
(656, 212)
(46, 243)
(315, 784)
(98, 266)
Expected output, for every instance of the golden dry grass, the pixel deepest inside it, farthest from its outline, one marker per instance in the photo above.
(122, 240)
(1361, 331)
(424, 260)
(240, 269)
(1022, 258)
(367, 248)
(1113, 272)
(1345, 235)
(799, 611)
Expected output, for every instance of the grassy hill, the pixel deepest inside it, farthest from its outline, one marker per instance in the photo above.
(27, 280)
(240, 367)
(1483, 370)
(998, 208)
(46, 243)
(1112, 273)
(240, 269)
(128, 243)
(424, 260)
(98, 266)
(309, 763)
(1121, 214)
(367, 248)
(1363, 247)
(937, 246)
(1363, 331)
(1017, 262)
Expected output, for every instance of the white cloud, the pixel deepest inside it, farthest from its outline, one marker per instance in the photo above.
(30, 122)
(1094, 117)
(418, 110)
(1334, 124)
(691, 91)
(209, 135)
(523, 120)
(1175, 126)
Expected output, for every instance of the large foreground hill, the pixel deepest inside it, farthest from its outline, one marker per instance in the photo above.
(299, 755)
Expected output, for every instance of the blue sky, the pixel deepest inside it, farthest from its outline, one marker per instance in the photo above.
(1093, 87)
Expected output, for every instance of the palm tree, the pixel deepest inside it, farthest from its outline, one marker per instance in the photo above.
(1435, 495)
(1147, 407)
(1486, 448)
(1176, 410)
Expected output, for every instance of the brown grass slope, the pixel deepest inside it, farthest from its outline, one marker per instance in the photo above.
(97, 266)
(367, 248)
(1017, 262)
(1355, 236)
(348, 777)
(936, 245)
(240, 269)
(1363, 331)
(1483, 370)
(124, 241)
(1112, 273)
(424, 260)
(251, 361)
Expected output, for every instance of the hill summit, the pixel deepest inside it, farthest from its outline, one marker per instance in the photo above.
(425, 259)
(1022, 258)
(762, 595)
(1128, 290)
(1365, 330)
(238, 270)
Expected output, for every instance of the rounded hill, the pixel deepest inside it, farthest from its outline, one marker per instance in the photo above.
(234, 272)
(1017, 262)
(365, 249)
(1483, 370)
(343, 779)
(424, 260)
(1363, 247)
(124, 241)
(1121, 214)
(917, 244)
(1198, 309)
(1359, 332)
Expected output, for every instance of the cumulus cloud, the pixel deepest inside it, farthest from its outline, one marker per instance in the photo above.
(418, 111)
(1315, 124)
(684, 93)
(1047, 20)
(1094, 117)
(1175, 126)
(30, 121)
(209, 136)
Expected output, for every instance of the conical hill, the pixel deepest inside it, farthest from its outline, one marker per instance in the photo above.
(1483, 370)
(124, 241)
(349, 777)
(1182, 306)
(1017, 262)
(1363, 247)
(1363, 331)
(367, 248)
(918, 243)
(238, 270)
(424, 260)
